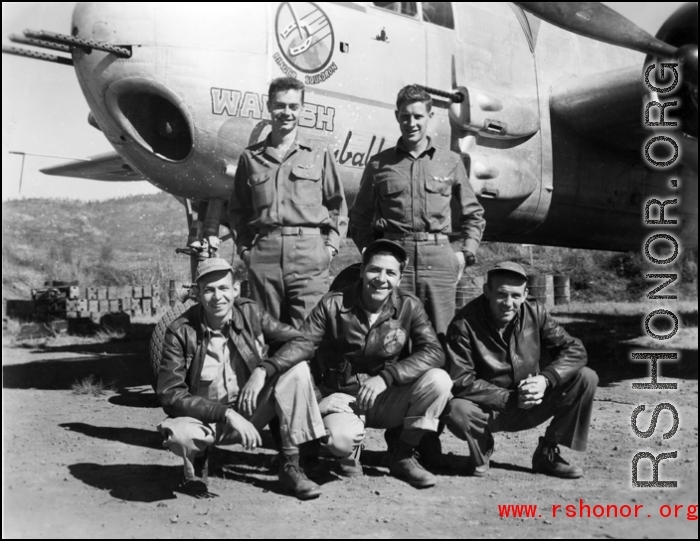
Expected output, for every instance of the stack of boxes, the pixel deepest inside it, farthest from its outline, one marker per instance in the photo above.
(74, 302)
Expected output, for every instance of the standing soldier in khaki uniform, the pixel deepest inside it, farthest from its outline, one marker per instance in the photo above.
(405, 196)
(288, 211)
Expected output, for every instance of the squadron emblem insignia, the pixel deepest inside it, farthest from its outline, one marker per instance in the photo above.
(394, 341)
(306, 40)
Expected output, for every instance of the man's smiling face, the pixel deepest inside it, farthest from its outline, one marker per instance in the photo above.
(413, 118)
(217, 291)
(505, 293)
(380, 276)
(285, 107)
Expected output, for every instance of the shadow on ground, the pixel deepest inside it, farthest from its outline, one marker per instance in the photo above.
(141, 397)
(604, 337)
(139, 437)
(120, 363)
(131, 482)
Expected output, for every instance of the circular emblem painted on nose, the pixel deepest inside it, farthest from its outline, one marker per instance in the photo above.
(304, 35)
(394, 341)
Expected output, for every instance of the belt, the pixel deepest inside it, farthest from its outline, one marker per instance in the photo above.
(293, 231)
(418, 237)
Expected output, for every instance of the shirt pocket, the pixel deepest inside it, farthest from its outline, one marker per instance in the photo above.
(438, 191)
(306, 185)
(393, 197)
(261, 187)
(209, 374)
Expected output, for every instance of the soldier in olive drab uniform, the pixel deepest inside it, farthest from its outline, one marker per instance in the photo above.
(288, 211)
(405, 196)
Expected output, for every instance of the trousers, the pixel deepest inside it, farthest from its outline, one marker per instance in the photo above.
(416, 406)
(288, 275)
(569, 405)
(431, 275)
(289, 396)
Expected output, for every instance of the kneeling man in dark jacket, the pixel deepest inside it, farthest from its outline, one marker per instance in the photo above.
(219, 387)
(493, 355)
(380, 361)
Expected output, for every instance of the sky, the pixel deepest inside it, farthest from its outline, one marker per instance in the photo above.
(44, 112)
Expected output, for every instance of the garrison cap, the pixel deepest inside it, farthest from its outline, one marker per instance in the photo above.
(508, 266)
(213, 264)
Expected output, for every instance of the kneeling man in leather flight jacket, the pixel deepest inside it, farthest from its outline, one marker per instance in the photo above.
(500, 384)
(219, 387)
(380, 362)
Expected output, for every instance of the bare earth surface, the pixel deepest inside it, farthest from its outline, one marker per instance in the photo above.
(79, 466)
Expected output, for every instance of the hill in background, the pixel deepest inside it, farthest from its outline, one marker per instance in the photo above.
(133, 240)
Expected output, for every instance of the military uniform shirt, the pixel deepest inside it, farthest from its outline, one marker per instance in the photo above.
(303, 189)
(403, 195)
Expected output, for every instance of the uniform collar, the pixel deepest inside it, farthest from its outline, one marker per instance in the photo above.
(234, 320)
(262, 147)
(400, 147)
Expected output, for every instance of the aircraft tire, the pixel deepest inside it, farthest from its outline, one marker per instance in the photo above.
(158, 337)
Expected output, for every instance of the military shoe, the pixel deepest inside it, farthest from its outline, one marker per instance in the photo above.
(293, 478)
(404, 465)
(548, 460)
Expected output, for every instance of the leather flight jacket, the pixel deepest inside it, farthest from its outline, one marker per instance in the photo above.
(251, 330)
(400, 346)
(487, 370)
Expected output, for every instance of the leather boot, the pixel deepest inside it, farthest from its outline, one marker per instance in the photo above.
(403, 464)
(548, 460)
(293, 478)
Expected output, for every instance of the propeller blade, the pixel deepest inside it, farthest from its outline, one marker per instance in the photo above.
(596, 21)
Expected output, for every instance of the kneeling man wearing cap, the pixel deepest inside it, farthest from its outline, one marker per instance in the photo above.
(228, 368)
(379, 362)
(501, 382)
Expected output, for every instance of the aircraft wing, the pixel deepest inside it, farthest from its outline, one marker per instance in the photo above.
(109, 167)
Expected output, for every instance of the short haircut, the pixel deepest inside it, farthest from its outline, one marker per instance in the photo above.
(412, 93)
(494, 274)
(383, 250)
(282, 84)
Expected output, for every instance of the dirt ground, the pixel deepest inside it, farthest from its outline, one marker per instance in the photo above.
(79, 466)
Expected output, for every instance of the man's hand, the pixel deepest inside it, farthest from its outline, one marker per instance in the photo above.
(531, 391)
(235, 422)
(336, 403)
(248, 399)
(332, 251)
(369, 392)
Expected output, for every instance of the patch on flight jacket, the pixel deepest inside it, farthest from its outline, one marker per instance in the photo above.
(394, 341)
